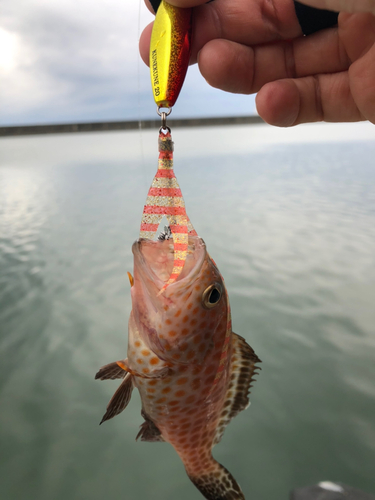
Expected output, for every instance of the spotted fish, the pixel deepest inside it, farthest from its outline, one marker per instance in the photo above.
(192, 372)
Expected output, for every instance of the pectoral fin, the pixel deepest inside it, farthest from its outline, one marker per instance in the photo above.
(112, 371)
(120, 399)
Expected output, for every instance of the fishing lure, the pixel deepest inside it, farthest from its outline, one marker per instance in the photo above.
(165, 200)
(169, 53)
(169, 59)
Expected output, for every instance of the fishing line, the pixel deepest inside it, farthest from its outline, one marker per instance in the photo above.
(140, 128)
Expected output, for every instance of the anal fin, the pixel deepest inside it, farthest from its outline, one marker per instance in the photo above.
(149, 431)
(120, 399)
(242, 370)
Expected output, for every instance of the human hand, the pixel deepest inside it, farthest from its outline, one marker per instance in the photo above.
(248, 46)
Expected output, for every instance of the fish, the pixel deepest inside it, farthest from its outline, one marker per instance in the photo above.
(193, 373)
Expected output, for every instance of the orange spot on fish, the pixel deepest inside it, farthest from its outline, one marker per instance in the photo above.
(177, 313)
(140, 361)
(150, 390)
(173, 403)
(166, 390)
(183, 346)
(203, 324)
(161, 400)
(197, 288)
(182, 381)
(152, 382)
(197, 339)
(184, 331)
(190, 355)
(193, 322)
(154, 361)
(145, 352)
(166, 308)
(196, 370)
(203, 314)
(176, 356)
(137, 343)
(172, 333)
(195, 310)
(190, 305)
(168, 321)
(190, 399)
(179, 394)
(146, 370)
(185, 319)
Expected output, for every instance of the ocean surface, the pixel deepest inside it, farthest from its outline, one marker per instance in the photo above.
(288, 216)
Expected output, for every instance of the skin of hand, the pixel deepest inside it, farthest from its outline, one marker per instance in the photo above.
(249, 46)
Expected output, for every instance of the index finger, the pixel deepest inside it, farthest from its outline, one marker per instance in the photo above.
(248, 22)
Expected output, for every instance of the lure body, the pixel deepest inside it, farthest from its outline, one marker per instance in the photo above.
(169, 52)
(165, 199)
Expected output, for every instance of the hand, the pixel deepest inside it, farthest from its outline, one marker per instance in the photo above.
(248, 46)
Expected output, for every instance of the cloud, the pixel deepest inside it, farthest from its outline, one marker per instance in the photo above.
(78, 60)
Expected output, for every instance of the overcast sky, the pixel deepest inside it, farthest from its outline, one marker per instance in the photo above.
(77, 60)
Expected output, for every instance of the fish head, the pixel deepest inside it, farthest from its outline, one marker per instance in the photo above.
(182, 322)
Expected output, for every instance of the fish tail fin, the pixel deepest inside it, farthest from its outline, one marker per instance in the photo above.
(217, 483)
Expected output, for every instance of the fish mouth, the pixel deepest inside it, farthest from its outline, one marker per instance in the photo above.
(154, 261)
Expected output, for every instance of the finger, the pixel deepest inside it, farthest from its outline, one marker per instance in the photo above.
(343, 5)
(144, 44)
(243, 21)
(249, 23)
(149, 6)
(314, 98)
(362, 78)
(187, 3)
(240, 69)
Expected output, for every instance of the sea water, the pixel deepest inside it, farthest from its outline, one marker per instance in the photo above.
(288, 216)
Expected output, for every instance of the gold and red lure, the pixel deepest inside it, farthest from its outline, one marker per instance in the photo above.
(169, 59)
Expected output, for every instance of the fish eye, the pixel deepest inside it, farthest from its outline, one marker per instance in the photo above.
(212, 295)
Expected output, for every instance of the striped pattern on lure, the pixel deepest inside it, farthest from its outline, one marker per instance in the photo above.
(165, 199)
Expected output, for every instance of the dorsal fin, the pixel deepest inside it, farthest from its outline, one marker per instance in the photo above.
(242, 370)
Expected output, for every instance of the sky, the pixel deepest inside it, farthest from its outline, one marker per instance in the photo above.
(78, 61)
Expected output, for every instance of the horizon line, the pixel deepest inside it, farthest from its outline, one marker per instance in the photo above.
(108, 126)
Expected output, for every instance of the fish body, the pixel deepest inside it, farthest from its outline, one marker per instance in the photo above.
(192, 371)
